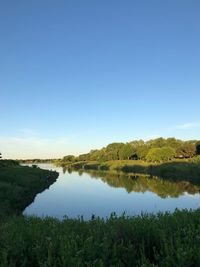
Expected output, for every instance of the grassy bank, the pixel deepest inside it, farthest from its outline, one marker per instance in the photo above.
(176, 170)
(19, 186)
(166, 240)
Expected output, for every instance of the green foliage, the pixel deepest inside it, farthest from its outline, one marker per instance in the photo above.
(174, 170)
(8, 163)
(112, 151)
(138, 150)
(137, 143)
(156, 143)
(168, 153)
(19, 185)
(69, 158)
(198, 148)
(187, 150)
(160, 154)
(142, 152)
(195, 159)
(173, 142)
(126, 152)
(163, 240)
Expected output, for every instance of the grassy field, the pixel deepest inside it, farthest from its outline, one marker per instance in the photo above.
(19, 186)
(177, 170)
(163, 240)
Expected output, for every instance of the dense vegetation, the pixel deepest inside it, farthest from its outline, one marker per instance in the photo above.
(166, 158)
(157, 150)
(178, 170)
(163, 240)
(19, 185)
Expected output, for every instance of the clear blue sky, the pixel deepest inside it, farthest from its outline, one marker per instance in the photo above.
(76, 75)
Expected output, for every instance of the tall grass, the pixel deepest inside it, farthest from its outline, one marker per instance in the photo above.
(163, 240)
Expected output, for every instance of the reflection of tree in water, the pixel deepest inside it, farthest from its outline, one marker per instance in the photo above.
(142, 183)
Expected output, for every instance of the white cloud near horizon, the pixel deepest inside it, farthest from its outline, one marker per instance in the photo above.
(34, 147)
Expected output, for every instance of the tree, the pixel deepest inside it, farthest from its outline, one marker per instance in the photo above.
(112, 151)
(186, 151)
(168, 153)
(83, 157)
(0, 155)
(160, 154)
(137, 143)
(198, 148)
(70, 158)
(96, 154)
(154, 155)
(158, 142)
(127, 152)
(142, 152)
(173, 142)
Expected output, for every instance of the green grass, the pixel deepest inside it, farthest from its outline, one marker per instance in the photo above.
(19, 186)
(176, 170)
(163, 240)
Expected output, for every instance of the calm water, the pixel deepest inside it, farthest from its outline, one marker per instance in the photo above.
(101, 193)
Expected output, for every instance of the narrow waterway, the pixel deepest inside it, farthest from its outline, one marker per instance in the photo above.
(85, 194)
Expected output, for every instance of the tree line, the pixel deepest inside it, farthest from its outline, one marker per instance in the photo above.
(155, 150)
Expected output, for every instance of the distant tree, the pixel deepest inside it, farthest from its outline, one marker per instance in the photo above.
(198, 148)
(127, 152)
(95, 154)
(173, 142)
(112, 151)
(154, 155)
(168, 153)
(186, 151)
(0, 155)
(160, 154)
(142, 152)
(83, 157)
(70, 158)
(158, 142)
(137, 143)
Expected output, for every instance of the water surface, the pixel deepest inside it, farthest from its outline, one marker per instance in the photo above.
(101, 193)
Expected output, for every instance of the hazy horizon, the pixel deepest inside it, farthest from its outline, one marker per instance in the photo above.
(77, 76)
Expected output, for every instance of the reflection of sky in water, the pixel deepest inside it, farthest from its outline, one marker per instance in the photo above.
(74, 195)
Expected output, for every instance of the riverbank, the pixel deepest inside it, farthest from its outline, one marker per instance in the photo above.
(163, 240)
(176, 170)
(19, 185)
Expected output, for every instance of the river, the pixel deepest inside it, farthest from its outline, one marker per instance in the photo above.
(102, 193)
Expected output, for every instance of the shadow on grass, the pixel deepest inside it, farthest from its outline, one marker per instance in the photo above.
(176, 171)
